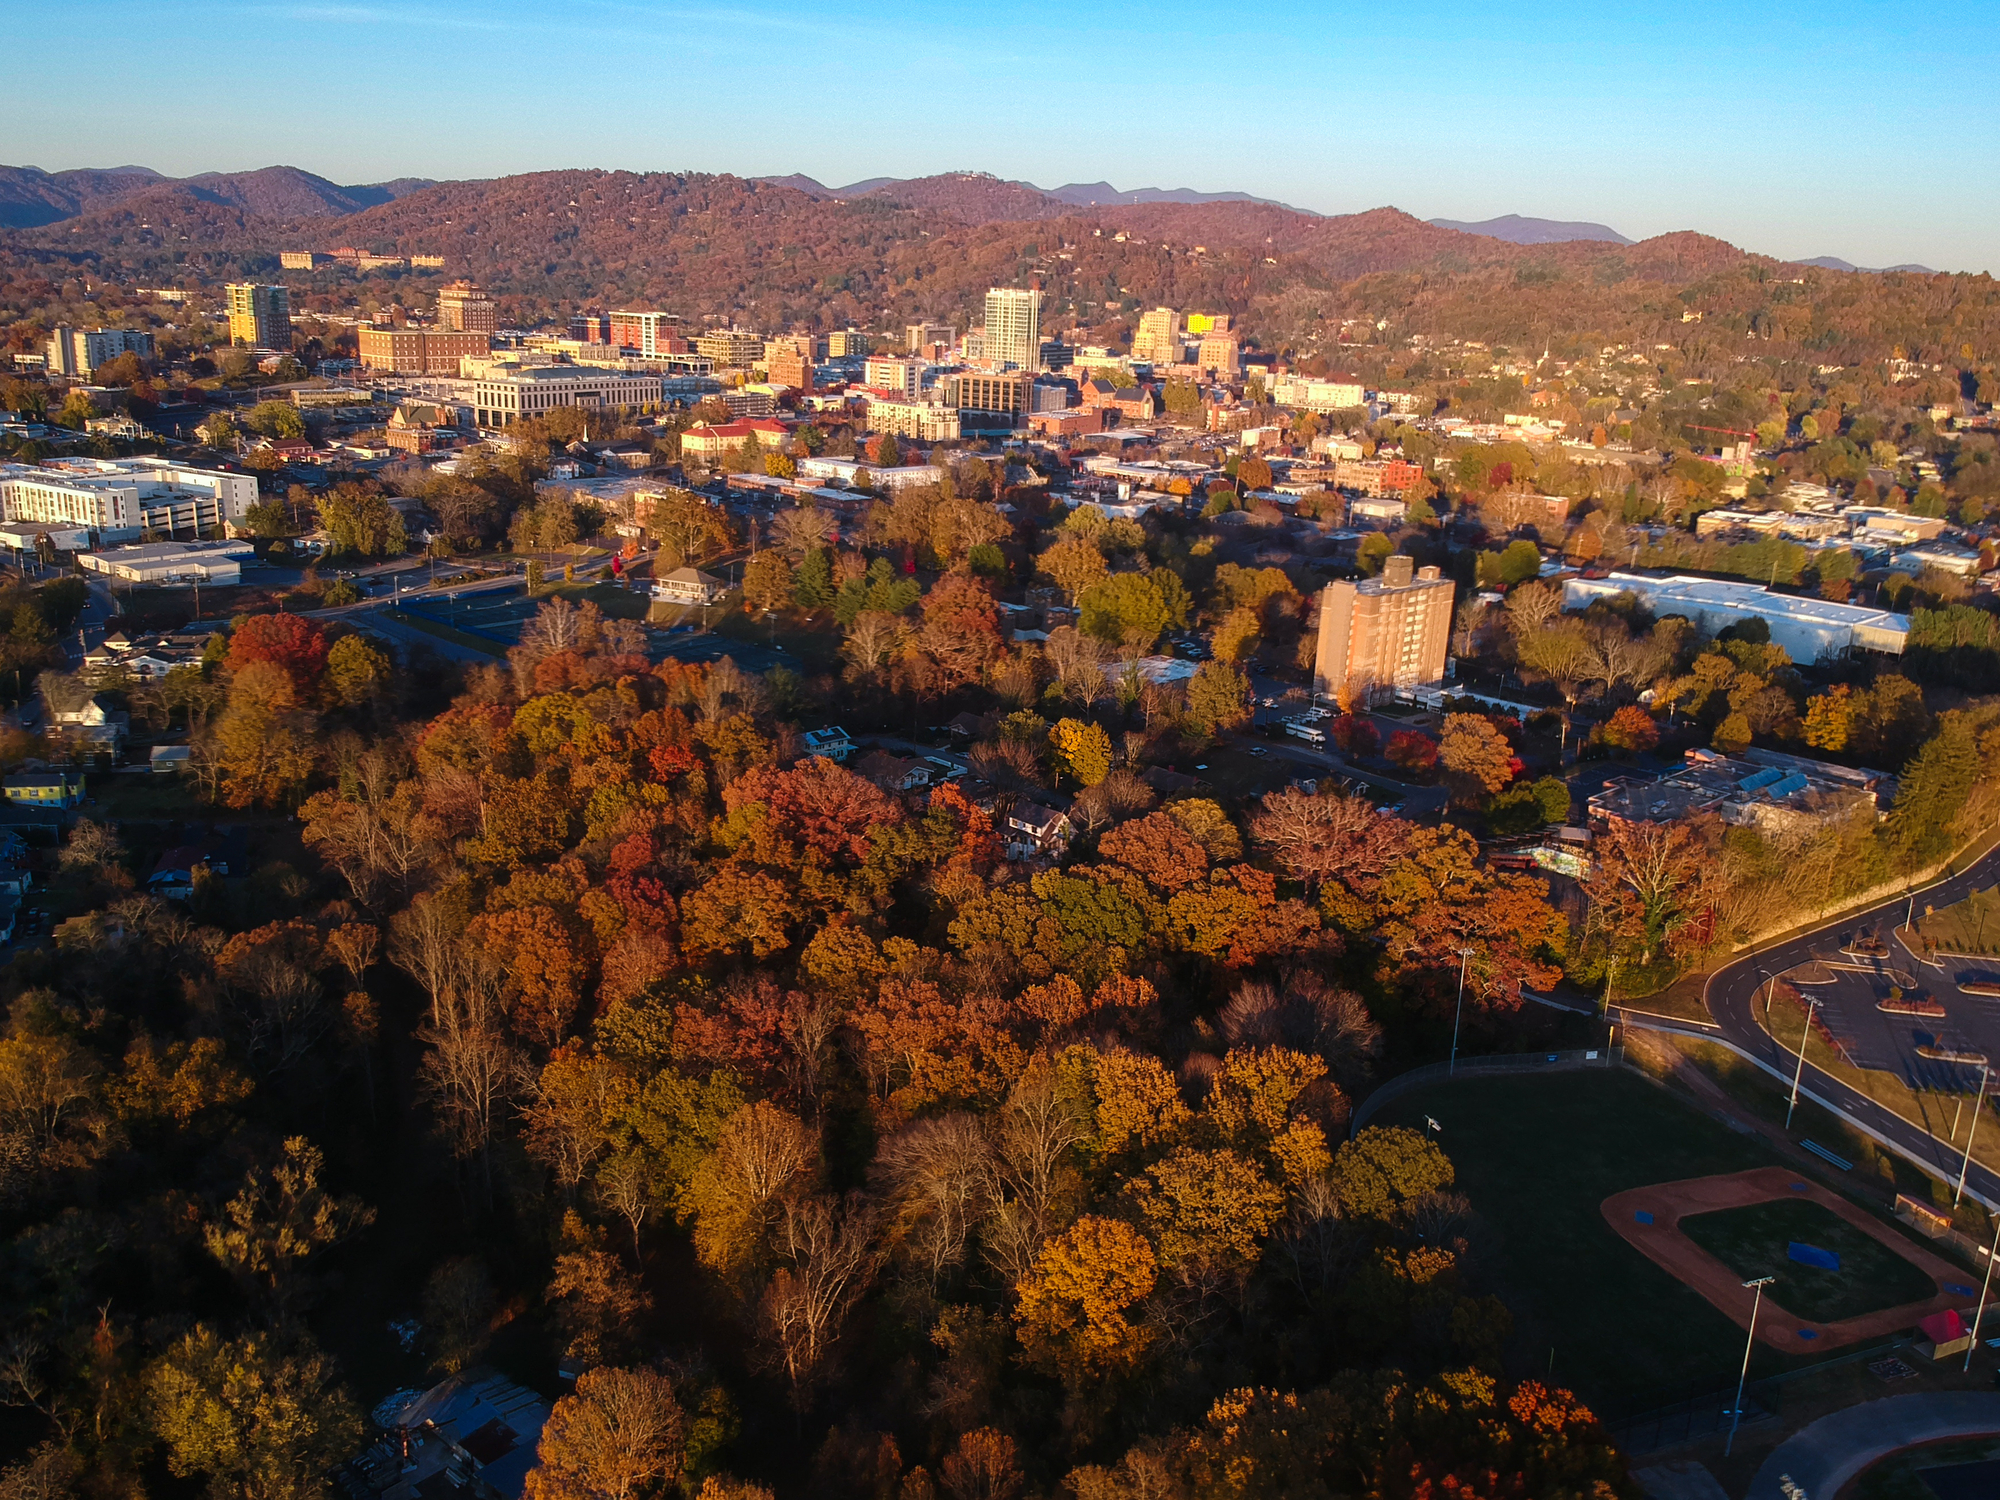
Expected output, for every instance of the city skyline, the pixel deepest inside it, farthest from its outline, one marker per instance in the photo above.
(1647, 124)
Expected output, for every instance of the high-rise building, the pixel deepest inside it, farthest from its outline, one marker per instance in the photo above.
(1383, 633)
(1158, 340)
(260, 316)
(847, 343)
(590, 327)
(650, 332)
(79, 351)
(917, 337)
(464, 308)
(1014, 327)
(1220, 353)
(997, 395)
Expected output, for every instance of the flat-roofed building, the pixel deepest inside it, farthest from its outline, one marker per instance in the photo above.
(729, 348)
(886, 373)
(787, 366)
(115, 499)
(1158, 340)
(926, 421)
(1220, 354)
(847, 343)
(79, 351)
(465, 308)
(502, 397)
(920, 337)
(646, 330)
(420, 351)
(259, 316)
(975, 391)
(171, 562)
(1810, 630)
(1387, 633)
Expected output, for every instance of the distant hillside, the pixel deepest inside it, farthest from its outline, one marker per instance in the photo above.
(775, 255)
(30, 197)
(1518, 230)
(1835, 263)
(1073, 194)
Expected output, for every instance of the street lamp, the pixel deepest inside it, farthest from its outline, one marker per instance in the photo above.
(1971, 1131)
(1980, 1311)
(1464, 957)
(1812, 1007)
(1736, 1412)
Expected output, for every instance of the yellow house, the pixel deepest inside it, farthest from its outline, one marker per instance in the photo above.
(59, 789)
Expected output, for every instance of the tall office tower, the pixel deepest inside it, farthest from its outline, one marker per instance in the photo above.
(1159, 337)
(260, 316)
(1014, 327)
(1383, 633)
(464, 308)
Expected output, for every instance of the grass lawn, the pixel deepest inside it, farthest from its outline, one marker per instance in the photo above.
(447, 633)
(1937, 1112)
(1537, 1156)
(814, 640)
(1968, 926)
(1754, 1241)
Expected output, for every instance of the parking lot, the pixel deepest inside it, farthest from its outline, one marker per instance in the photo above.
(1854, 975)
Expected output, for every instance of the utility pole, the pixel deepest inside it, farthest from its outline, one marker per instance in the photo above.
(1464, 957)
(1812, 1006)
(1980, 1312)
(1736, 1412)
(1971, 1132)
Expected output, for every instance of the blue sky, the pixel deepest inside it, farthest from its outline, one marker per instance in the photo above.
(1860, 130)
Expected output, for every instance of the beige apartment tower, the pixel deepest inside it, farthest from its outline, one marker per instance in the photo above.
(1158, 340)
(465, 308)
(1383, 634)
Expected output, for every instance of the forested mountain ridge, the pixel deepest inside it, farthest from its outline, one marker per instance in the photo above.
(770, 255)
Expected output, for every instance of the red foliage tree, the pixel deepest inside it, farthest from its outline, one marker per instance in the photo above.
(289, 641)
(822, 805)
(1414, 753)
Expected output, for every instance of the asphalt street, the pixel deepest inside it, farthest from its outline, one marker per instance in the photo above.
(1732, 997)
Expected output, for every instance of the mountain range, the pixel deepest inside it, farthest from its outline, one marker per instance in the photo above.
(977, 184)
(30, 197)
(1516, 230)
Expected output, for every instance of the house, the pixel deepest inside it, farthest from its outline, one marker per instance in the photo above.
(1138, 404)
(833, 743)
(82, 720)
(1168, 782)
(893, 773)
(52, 790)
(169, 760)
(689, 586)
(224, 851)
(473, 1437)
(972, 726)
(1036, 830)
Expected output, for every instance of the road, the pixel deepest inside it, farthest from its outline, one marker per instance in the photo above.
(1731, 996)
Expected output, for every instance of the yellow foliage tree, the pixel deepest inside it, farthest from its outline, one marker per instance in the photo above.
(1073, 1303)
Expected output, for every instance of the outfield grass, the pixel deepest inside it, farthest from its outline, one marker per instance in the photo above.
(1754, 1241)
(1537, 1156)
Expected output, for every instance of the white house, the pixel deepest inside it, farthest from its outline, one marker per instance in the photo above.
(689, 586)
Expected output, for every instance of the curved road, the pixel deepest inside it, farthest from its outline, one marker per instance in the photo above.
(1731, 997)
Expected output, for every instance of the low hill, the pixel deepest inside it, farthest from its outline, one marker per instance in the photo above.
(30, 197)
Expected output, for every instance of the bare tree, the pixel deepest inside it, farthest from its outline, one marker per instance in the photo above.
(800, 531)
(1330, 837)
(944, 1180)
(1043, 1121)
(625, 1186)
(471, 1074)
(1078, 663)
(827, 1248)
(1531, 606)
(873, 641)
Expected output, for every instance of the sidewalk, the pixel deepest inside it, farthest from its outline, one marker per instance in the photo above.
(1822, 1457)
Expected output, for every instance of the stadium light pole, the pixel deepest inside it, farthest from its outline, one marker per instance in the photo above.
(1749, 1343)
(1798, 1073)
(1464, 957)
(1971, 1131)
(1980, 1311)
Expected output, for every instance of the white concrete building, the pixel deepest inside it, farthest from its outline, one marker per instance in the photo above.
(116, 499)
(1810, 630)
(172, 562)
(79, 351)
(926, 421)
(502, 396)
(903, 376)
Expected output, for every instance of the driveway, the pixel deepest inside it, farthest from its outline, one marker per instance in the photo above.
(1823, 1456)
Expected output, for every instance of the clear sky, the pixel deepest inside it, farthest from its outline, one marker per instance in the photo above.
(1863, 130)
